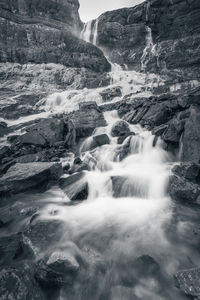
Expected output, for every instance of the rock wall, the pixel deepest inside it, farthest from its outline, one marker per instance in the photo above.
(45, 32)
(157, 35)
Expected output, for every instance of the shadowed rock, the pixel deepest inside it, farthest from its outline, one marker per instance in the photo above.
(22, 177)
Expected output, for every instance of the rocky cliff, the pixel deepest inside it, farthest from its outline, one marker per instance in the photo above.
(156, 36)
(45, 32)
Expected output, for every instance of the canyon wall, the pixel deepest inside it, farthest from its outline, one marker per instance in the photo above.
(45, 31)
(157, 36)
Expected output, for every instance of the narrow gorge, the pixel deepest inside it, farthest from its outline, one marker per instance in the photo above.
(99, 151)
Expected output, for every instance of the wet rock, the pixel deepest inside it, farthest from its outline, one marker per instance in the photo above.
(111, 93)
(44, 233)
(45, 132)
(63, 262)
(122, 138)
(159, 130)
(75, 186)
(17, 283)
(87, 118)
(189, 171)
(4, 129)
(120, 128)
(173, 132)
(22, 177)
(4, 151)
(101, 139)
(182, 190)
(78, 168)
(189, 282)
(191, 138)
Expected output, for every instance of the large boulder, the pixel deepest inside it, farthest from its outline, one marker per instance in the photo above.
(183, 190)
(75, 186)
(120, 128)
(45, 132)
(173, 132)
(95, 141)
(189, 282)
(191, 137)
(57, 269)
(21, 177)
(188, 170)
(87, 118)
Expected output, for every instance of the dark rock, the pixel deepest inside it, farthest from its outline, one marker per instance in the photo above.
(87, 118)
(189, 171)
(189, 282)
(111, 93)
(79, 168)
(191, 137)
(122, 138)
(4, 151)
(173, 132)
(75, 186)
(17, 283)
(183, 190)
(44, 233)
(101, 139)
(120, 128)
(45, 132)
(4, 129)
(22, 177)
(77, 161)
(62, 261)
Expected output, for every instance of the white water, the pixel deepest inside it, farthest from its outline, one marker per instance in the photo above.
(130, 82)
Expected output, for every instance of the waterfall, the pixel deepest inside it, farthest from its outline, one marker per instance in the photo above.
(95, 34)
(86, 32)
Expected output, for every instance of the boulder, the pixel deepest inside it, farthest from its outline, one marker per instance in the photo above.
(189, 170)
(86, 119)
(173, 132)
(4, 129)
(62, 261)
(189, 282)
(111, 93)
(101, 139)
(18, 283)
(4, 151)
(45, 132)
(21, 177)
(75, 186)
(191, 137)
(120, 128)
(44, 233)
(182, 190)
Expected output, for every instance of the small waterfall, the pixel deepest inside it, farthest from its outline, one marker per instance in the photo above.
(86, 32)
(147, 49)
(95, 34)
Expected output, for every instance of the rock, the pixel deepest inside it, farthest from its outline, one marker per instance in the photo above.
(4, 129)
(21, 177)
(51, 38)
(182, 190)
(63, 262)
(101, 139)
(159, 130)
(189, 282)
(111, 93)
(17, 283)
(79, 168)
(122, 138)
(77, 161)
(191, 138)
(173, 132)
(189, 171)
(44, 233)
(87, 118)
(75, 186)
(45, 132)
(120, 128)
(4, 151)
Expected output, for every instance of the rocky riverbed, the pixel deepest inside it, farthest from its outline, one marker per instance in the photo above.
(99, 156)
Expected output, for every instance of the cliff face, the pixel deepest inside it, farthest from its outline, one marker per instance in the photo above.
(44, 31)
(157, 35)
